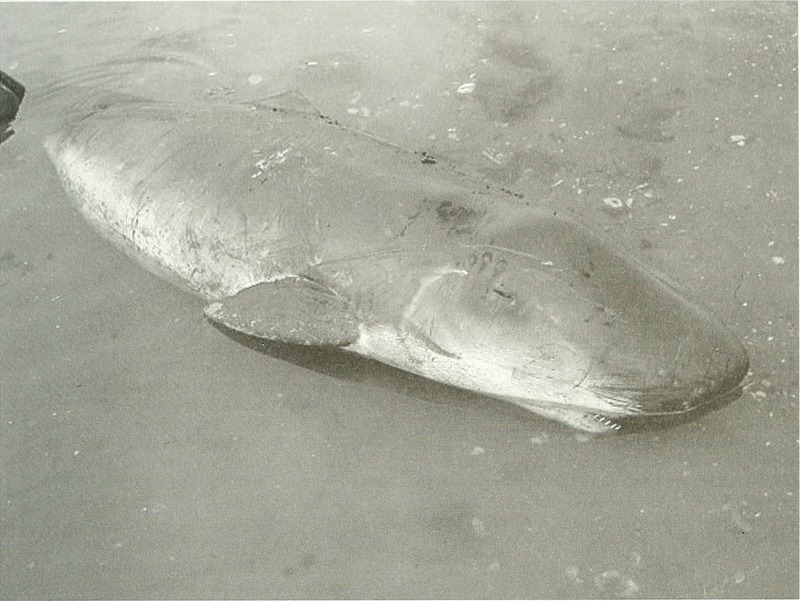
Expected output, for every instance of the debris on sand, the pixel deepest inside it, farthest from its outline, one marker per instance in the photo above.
(616, 584)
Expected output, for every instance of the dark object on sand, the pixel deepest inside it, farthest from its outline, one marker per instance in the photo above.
(11, 95)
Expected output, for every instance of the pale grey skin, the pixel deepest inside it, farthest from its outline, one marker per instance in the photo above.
(297, 229)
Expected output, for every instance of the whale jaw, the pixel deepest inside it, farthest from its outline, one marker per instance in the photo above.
(583, 406)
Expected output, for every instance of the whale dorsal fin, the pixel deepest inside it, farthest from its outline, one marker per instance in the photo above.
(290, 100)
(294, 310)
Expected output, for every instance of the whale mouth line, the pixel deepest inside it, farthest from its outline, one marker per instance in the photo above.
(665, 404)
(643, 420)
(636, 418)
(658, 420)
(720, 399)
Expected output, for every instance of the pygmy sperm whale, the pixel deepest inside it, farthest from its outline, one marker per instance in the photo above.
(297, 229)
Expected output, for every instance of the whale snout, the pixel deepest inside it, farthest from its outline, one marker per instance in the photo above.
(625, 343)
(725, 368)
(660, 354)
(665, 355)
(705, 374)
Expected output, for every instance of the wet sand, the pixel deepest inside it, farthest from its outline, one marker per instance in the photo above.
(145, 454)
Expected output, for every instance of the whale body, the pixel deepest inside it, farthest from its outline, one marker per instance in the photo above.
(297, 229)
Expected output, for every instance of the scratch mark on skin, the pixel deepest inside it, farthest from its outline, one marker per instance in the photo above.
(410, 221)
(246, 237)
(592, 363)
(585, 375)
(518, 253)
(412, 306)
(678, 353)
(429, 343)
(376, 254)
(135, 220)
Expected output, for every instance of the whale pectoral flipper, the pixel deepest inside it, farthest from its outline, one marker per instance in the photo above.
(294, 310)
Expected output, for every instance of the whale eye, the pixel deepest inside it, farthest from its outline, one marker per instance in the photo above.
(502, 292)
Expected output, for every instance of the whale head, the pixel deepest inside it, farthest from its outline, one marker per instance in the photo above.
(540, 312)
